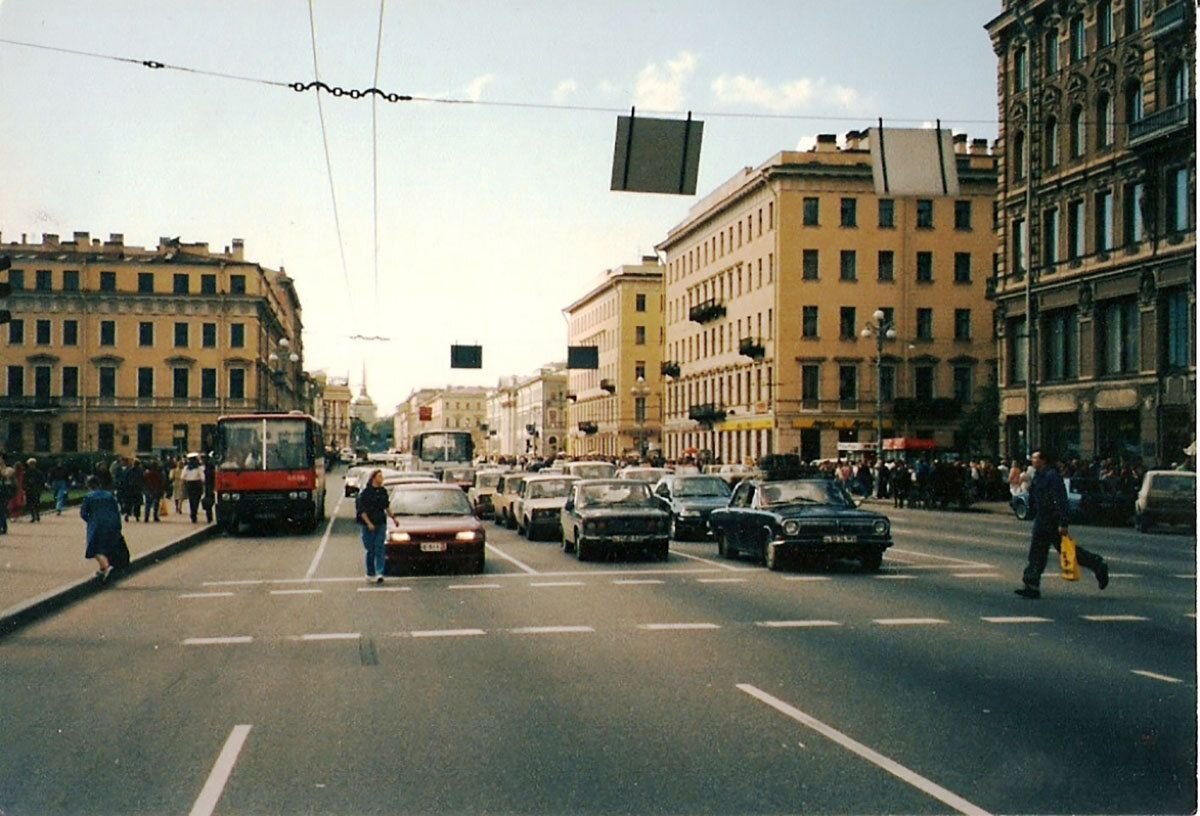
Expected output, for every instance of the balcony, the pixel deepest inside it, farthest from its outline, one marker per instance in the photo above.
(1161, 124)
(706, 312)
(670, 369)
(35, 405)
(752, 347)
(706, 414)
(588, 428)
(609, 386)
(1169, 19)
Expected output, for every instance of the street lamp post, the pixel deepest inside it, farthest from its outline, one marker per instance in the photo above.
(640, 392)
(882, 329)
(279, 360)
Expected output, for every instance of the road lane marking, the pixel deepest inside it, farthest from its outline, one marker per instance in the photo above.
(1018, 619)
(1153, 676)
(312, 568)
(210, 794)
(1113, 618)
(796, 624)
(1123, 575)
(978, 575)
(1186, 576)
(891, 766)
(895, 577)
(663, 627)
(385, 589)
(207, 595)
(630, 581)
(728, 567)
(435, 633)
(217, 641)
(551, 630)
(720, 580)
(556, 583)
(252, 582)
(474, 586)
(525, 567)
(960, 561)
(331, 636)
(296, 591)
(909, 621)
(806, 578)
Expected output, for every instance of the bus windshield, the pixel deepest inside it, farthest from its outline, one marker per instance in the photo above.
(445, 446)
(263, 444)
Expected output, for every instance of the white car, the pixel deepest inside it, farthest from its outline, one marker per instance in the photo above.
(539, 503)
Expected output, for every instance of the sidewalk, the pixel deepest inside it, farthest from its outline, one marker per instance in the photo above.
(998, 508)
(42, 567)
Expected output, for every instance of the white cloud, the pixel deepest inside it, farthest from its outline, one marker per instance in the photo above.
(477, 85)
(662, 88)
(786, 96)
(563, 90)
(806, 143)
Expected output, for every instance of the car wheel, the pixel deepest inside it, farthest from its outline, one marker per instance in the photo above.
(1021, 509)
(723, 547)
(872, 560)
(523, 529)
(568, 546)
(583, 551)
(771, 557)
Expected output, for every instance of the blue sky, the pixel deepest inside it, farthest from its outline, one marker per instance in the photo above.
(491, 219)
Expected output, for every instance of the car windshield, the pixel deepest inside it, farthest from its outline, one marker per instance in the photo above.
(1173, 483)
(596, 470)
(825, 492)
(705, 486)
(487, 479)
(642, 474)
(616, 494)
(424, 502)
(549, 489)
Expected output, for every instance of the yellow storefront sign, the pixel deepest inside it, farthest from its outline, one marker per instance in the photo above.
(760, 424)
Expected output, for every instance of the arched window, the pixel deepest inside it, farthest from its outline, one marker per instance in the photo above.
(1077, 132)
(1051, 147)
(1018, 156)
(1104, 120)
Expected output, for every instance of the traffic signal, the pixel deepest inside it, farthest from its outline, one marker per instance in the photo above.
(5, 288)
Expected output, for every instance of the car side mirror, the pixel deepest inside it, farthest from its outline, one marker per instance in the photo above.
(570, 505)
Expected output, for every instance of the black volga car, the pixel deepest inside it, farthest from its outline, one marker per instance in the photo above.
(806, 520)
(689, 499)
(610, 515)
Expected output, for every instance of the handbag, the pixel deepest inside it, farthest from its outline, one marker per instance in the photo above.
(163, 506)
(1068, 559)
(120, 557)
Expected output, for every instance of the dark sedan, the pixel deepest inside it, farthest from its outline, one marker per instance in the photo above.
(614, 515)
(436, 527)
(689, 499)
(806, 520)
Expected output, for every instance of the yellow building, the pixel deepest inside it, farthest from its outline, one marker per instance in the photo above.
(453, 408)
(1097, 225)
(124, 349)
(615, 410)
(333, 410)
(772, 279)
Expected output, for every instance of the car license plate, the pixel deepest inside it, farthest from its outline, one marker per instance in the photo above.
(840, 539)
(433, 546)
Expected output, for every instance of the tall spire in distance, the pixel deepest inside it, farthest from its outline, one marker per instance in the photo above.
(363, 392)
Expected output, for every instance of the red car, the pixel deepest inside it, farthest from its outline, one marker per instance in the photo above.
(436, 527)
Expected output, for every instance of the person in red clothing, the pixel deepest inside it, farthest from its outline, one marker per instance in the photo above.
(154, 486)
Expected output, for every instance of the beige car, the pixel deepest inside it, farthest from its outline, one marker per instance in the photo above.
(506, 492)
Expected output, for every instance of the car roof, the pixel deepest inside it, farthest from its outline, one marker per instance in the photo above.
(544, 477)
(424, 485)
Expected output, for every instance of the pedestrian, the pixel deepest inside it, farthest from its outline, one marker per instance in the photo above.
(177, 489)
(193, 483)
(372, 512)
(103, 516)
(35, 485)
(153, 485)
(6, 490)
(58, 483)
(210, 487)
(16, 495)
(1051, 516)
(133, 486)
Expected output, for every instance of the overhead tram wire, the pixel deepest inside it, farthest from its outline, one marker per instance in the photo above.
(375, 163)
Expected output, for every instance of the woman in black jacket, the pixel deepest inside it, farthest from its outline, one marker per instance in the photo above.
(372, 512)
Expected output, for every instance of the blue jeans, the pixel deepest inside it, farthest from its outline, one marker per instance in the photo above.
(60, 496)
(374, 543)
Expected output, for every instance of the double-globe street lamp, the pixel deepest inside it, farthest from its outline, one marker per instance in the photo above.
(278, 361)
(882, 329)
(640, 393)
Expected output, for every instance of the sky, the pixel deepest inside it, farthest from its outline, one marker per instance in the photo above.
(458, 223)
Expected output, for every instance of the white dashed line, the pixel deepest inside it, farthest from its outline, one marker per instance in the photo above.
(978, 575)
(895, 577)
(551, 630)
(727, 567)
(909, 621)
(331, 636)
(630, 581)
(1164, 678)
(556, 583)
(720, 580)
(796, 624)
(296, 591)
(1018, 619)
(662, 627)
(806, 578)
(217, 641)
(1113, 618)
(435, 633)
(254, 582)
(207, 595)
(474, 586)
(385, 589)
(1186, 576)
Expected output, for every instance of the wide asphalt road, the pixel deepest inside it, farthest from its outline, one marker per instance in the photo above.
(263, 675)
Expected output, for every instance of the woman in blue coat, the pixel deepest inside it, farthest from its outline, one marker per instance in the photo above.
(103, 516)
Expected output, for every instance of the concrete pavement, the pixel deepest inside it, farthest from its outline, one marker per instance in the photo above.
(42, 566)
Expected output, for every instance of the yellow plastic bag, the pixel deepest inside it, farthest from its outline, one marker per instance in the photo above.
(1067, 559)
(163, 505)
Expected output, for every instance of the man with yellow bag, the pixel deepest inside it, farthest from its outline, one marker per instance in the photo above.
(1051, 515)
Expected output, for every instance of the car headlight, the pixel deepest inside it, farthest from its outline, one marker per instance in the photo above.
(234, 496)
(224, 497)
(881, 527)
(400, 538)
(293, 495)
(791, 527)
(467, 535)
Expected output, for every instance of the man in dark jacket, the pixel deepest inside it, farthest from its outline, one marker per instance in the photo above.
(35, 485)
(1051, 516)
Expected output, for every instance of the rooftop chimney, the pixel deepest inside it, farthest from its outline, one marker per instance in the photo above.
(50, 239)
(239, 248)
(960, 143)
(116, 239)
(854, 139)
(82, 238)
(826, 142)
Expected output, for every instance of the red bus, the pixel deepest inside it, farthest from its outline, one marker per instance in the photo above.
(270, 467)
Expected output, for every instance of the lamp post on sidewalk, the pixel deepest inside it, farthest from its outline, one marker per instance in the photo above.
(640, 392)
(882, 329)
(279, 360)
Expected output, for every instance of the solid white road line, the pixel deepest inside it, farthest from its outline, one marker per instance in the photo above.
(796, 624)
(312, 568)
(1018, 619)
(1113, 618)
(978, 575)
(331, 636)
(434, 633)
(909, 621)
(474, 586)
(551, 630)
(728, 567)
(296, 591)
(385, 589)
(806, 578)
(1164, 678)
(631, 581)
(663, 627)
(210, 794)
(528, 569)
(891, 766)
(556, 583)
(217, 641)
(207, 595)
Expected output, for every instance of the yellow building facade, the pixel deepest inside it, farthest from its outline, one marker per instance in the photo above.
(772, 278)
(129, 350)
(615, 410)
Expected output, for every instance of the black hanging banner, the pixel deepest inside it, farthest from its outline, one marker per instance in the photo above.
(656, 156)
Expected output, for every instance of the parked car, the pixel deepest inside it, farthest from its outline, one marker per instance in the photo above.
(506, 492)
(1166, 497)
(435, 527)
(806, 520)
(649, 475)
(1088, 500)
(690, 499)
(394, 478)
(539, 503)
(732, 474)
(590, 470)
(483, 490)
(605, 516)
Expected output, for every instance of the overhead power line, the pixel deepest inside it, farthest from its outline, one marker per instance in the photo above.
(375, 161)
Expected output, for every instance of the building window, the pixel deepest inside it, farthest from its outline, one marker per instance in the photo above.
(16, 436)
(1018, 162)
(924, 213)
(237, 383)
(925, 267)
(639, 303)
(1051, 146)
(1020, 262)
(237, 335)
(849, 212)
(1050, 52)
(1061, 345)
(108, 381)
(887, 265)
(108, 333)
(924, 324)
(43, 281)
(70, 280)
(962, 215)
(145, 334)
(849, 265)
(810, 386)
(180, 383)
(963, 387)
(887, 212)
(810, 322)
(208, 383)
(1134, 199)
(237, 284)
(16, 332)
(1177, 84)
(812, 265)
(887, 383)
(145, 283)
(70, 437)
(1178, 200)
(962, 324)
(1075, 230)
(16, 381)
(1020, 69)
(1078, 132)
(42, 332)
(1117, 336)
(208, 284)
(106, 437)
(962, 267)
(1018, 352)
(1133, 16)
(41, 381)
(1104, 221)
(848, 329)
(181, 335)
(70, 382)
(208, 335)
(1104, 120)
(848, 386)
(180, 286)
(1104, 23)
(145, 437)
(1076, 39)
(1050, 238)
(145, 383)
(1176, 331)
(70, 332)
(812, 212)
(1135, 107)
(923, 383)
(639, 336)
(41, 438)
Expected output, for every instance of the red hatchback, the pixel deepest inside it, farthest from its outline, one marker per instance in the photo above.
(436, 527)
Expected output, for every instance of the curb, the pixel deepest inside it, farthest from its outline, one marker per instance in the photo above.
(47, 603)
